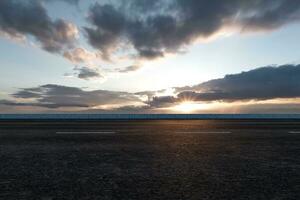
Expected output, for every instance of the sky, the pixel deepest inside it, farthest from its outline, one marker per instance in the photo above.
(149, 56)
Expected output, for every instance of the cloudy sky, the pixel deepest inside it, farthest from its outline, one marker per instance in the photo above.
(149, 56)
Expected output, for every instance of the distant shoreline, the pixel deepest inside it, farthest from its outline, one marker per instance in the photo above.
(4, 117)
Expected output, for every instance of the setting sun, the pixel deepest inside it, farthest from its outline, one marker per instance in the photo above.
(189, 107)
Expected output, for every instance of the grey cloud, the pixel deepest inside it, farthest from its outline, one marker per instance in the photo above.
(150, 94)
(56, 96)
(87, 73)
(261, 83)
(258, 84)
(152, 28)
(163, 101)
(143, 5)
(29, 17)
(45, 105)
(68, 1)
(131, 68)
(175, 23)
(150, 53)
(272, 15)
(109, 25)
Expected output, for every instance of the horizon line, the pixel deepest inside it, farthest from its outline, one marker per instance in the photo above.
(77, 116)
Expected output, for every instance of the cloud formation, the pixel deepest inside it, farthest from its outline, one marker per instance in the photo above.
(139, 30)
(29, 18)
(45, 105)
(258, 84)
(87, 73)
(261, 84)
(130, 68)
(160, 27)
(79, 55)
(57, 96)
(67, 1)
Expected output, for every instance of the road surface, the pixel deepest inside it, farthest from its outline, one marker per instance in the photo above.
(150, 159)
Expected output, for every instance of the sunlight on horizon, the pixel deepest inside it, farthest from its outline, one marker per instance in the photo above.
(190, 107)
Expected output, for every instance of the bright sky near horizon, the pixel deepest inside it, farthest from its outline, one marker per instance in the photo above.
(139, 56)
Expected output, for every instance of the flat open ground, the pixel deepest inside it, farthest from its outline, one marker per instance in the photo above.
(154, 159)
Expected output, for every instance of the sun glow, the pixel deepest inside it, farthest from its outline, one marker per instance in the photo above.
(189, 107)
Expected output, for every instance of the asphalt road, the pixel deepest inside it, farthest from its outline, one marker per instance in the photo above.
(163, 159)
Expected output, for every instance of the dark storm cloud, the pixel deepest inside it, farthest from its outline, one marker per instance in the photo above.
(56, 96)
(29, 17)
(112, 27)
(272, 14)
(173, 24)
(109, 24)
(142, 5)
(87, 73)
(67, 1)
(258, 84)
